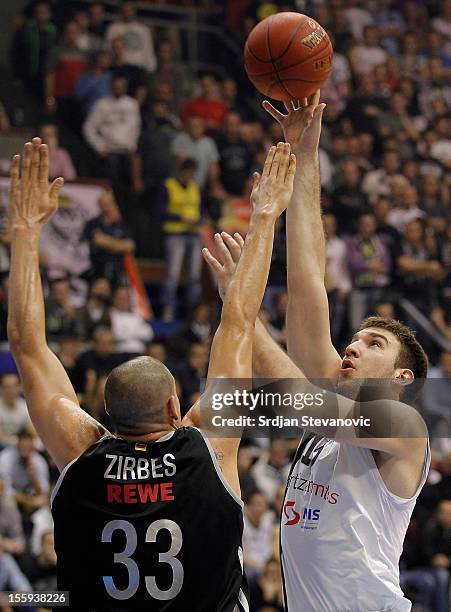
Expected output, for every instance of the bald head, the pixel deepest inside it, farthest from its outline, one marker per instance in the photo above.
(137, 394)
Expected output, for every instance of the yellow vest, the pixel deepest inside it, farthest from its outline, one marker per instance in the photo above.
(184, 201)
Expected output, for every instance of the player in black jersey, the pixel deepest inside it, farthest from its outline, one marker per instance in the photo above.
(150, 517)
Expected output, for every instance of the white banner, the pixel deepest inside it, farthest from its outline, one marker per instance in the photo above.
(60, 238)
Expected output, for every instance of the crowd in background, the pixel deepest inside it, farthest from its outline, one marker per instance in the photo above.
(177, 149)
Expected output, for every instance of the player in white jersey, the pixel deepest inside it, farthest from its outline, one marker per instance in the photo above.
(349, 498)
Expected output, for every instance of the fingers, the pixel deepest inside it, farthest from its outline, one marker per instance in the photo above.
(314, 100)
(303, 102)
(26, 162)
(268, 164)
(281, 159)
(35, 159)
(224, 255)
(269, 108)
(212, 262)
(291, 171)
(288, 106)
(43, 165)
(232, 245)
(14, 175)
(239, 238)
(54, 191)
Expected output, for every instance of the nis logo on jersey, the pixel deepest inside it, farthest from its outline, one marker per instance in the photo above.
(126, 468)
(306, 516)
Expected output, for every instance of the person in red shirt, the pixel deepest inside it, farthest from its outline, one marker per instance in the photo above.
(207, 105)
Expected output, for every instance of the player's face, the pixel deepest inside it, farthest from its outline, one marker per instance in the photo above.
(371, 354)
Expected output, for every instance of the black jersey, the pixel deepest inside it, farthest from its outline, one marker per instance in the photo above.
(149, 526)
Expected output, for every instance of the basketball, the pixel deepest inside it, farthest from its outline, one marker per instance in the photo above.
(288, 56)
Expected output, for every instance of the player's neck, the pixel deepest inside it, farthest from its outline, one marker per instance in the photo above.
(158, 431)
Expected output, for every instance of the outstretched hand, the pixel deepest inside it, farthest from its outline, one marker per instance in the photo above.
(32, 203)
(302, 125)
(224, 264)
(273, 189)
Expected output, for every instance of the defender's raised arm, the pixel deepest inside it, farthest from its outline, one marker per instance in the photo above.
(65, 429)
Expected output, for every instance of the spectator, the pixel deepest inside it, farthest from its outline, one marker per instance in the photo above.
(181, 208)
(136, 77)
(177, 76)
(266, 591)
(416, 269)
(435, 400)
(389, 234)
(11, 531)
(229, 95)
(378, 182)
(337, 279)
(137, 38)
(247, 481)
(130, 331)
(112, 128)
(11, 576)
(98, 361)
(367, 55)
(97, 25)
(42, 570)
(272, 471)
(400, 216)
(369, 265)
(95, 83)
(157, 349)
(348, 200)
(31, 48)
(26, 473)
(154, 161)
(442, 23)
(189, 374)
(65, 65)
(108, 239)
(198, 328)
(234, 155)
(60, 162)
(257, 534)
(207, 105)
(59, 311)
(86, 41)
(396, 122)
(437, 538)
(69, 347)
(13, 409)
(366, 105)
(194, 144)
(95, 312)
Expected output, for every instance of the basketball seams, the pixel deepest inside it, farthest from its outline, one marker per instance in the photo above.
(268, 41)
(304, 61)
(301, 25)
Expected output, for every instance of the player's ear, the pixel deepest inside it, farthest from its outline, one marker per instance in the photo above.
(173, 409)
(403, 376)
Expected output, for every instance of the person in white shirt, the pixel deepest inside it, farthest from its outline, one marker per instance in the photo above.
(13, 409)
(272, 471)
(399, 217)
(137, 37)
(366, 56)
(258, 534)
(113, 124)
(131, 332)
(378, 182)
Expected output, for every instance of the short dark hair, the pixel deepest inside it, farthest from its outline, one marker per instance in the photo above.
(136, 393)
(411, 354)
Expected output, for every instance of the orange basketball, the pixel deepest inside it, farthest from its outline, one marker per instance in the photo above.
(288, 56)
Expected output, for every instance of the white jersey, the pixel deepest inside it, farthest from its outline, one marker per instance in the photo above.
(342, 531)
